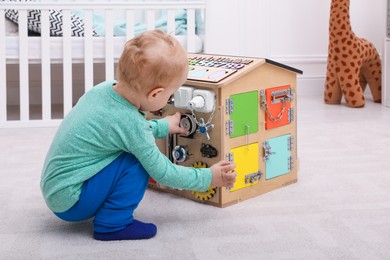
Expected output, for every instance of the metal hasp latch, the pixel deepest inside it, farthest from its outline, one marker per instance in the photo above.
(267, 150)
(279, 96)
(284, 95)
(251, 178)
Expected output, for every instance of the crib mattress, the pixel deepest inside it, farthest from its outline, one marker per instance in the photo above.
(34, 49)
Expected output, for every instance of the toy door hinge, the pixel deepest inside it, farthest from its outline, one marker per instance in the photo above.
(290, 163)
(263, 101)
(229, 106)
(290, 114)
(229, 127)
(267, 150)
(290, 143)
(229, 157)
(251, 178)
(291, 94)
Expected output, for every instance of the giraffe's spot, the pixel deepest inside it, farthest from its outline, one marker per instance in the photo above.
(341, 78)
(336, 58)
(352, 64)
(353, 102)
(347, 70)
(351, 94)
(345, 56)
(344, 63)
(337, 50)
(350, 77)
(330, 95)
(337, 69)
(348, 85)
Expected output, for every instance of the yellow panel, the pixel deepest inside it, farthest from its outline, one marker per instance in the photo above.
(246, 159)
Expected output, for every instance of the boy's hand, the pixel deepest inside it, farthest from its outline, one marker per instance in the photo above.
(223, 174)
(174, 124)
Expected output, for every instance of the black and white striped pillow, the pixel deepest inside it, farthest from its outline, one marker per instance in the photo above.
(55, 19)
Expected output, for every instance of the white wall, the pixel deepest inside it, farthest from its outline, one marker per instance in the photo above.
(291, 32)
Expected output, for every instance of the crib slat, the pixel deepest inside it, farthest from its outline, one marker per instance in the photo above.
(67, 61)
(3, 78)
(88, 50)
(171, 22)
(23, 67)
(45, 64)
(129, 24)
(190, 30)
(109, 42)
(150, 19)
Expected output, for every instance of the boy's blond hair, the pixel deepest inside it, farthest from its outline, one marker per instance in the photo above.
(150, 60)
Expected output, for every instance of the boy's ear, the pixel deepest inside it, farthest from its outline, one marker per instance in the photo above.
(154, 93)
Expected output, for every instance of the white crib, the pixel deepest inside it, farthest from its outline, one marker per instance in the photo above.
(34, 68)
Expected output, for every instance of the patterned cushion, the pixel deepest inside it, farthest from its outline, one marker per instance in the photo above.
(55, 18)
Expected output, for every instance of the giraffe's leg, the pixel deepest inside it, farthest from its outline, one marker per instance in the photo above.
(363, 82)
(352, 91)
(372, 72)
(332, 92)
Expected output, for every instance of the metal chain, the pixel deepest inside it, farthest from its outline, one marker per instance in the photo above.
(210, 118)
(280, 115)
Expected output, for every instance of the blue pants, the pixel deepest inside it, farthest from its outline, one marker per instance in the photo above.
(111, 196)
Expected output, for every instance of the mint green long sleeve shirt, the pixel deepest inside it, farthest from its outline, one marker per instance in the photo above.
(100, 127)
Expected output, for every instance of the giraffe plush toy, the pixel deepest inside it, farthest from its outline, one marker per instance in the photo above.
(352, 62)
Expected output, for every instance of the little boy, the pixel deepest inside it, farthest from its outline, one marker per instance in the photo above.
(104, 151)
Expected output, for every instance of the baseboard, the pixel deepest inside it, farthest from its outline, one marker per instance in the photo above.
(311, 82)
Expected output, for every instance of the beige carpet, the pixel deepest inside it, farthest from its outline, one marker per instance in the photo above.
(339, 209)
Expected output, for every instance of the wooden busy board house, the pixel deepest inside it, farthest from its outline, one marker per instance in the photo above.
(237, 109)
